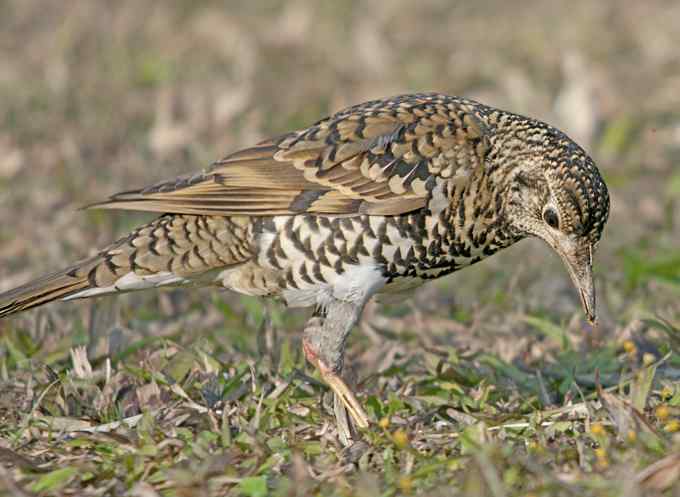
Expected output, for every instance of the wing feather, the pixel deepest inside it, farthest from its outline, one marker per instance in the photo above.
(382, 157)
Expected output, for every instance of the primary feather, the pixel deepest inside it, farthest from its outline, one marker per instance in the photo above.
(380, 157)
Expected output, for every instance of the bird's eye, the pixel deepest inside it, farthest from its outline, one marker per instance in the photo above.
(550, 217)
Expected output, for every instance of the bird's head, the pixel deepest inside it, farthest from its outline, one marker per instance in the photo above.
(558, 195)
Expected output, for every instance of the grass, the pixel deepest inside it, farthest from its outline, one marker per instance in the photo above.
(220, 416)
(486, 383)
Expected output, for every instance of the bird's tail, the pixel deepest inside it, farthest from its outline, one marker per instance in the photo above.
(171, 250)
(54, 286)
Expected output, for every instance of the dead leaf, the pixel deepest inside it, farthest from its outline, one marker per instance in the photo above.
(8, 456)
(662, 474)
(624, 416)
(143, 489)
(81, 365)
(149, 395)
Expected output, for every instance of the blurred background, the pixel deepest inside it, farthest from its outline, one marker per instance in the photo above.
(100, 97)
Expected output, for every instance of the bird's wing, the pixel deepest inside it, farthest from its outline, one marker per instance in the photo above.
(382, 157)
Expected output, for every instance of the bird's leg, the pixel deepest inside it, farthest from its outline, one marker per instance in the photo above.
(324, 346)
(343, 392)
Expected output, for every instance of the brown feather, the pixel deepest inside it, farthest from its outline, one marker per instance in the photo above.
(364, 160)
(46, 289)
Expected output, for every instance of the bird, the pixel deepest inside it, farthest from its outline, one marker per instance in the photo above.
(377, 198)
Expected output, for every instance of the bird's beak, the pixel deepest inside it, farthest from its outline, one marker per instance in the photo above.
(579, 263)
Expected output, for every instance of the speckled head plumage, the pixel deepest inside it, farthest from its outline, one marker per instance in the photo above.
(557, 194)
(560, 174)
(580, 195)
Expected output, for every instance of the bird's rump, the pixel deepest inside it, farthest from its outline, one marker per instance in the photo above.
(382, 158)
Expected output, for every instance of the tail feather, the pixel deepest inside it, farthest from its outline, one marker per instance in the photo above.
(171, 250)
(54, 286)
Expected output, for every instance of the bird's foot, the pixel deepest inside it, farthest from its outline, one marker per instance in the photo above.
(345, 402)
(343, 422)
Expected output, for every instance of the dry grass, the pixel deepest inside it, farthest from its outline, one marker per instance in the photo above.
(483, 384)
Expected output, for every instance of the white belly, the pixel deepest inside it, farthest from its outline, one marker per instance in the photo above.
(357, 285)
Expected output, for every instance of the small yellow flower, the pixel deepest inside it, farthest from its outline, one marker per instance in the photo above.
(597, 430)
(630, 347)
(384, 423)
(631, 436)
(662, 412)
(400, 438)
(405, 484)
(602, 460)
(533, 445)
(672, 426)
(666, 392)
(648, 358)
